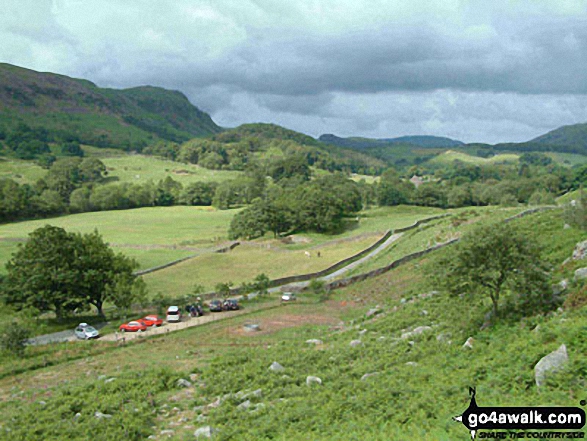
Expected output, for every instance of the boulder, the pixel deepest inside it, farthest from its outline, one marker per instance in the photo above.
(101, 415)
(182, 382)
(356, 343)
(581, 273)
(372, 312)
(204, 432)
(276, 367)
(371, 374)
(580, 251)
(314, 341)
(245, 405)
(550, 363)
(560, 287)
(469, 343)
(417, 331)
(313, 380)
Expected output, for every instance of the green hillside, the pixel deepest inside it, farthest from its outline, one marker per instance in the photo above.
(395, 383)
(70, 108)
(572, 135)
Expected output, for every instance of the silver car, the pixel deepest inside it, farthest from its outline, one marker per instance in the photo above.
(86, 332)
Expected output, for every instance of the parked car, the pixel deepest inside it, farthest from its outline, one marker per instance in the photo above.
(288, 297)
(134, 326)
(173, 314)
(86, 332)
(151, 320)
(216, 306)
(231, 305)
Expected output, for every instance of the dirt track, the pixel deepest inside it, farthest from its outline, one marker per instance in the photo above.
(187, 323)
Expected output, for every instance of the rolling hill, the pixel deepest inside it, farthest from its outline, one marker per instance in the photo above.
(70, 108)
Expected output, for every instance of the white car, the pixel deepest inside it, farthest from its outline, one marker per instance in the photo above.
(173, 314)
(86, 332)
(288, 297)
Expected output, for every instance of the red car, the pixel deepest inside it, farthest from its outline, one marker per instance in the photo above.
(133, 327)
(151, 320)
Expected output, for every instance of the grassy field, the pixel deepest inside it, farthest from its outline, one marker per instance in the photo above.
(247, 261)
(417, 387)
(569, 159)
(140, 169)
(191, 227)
(122, 168)
(438, 231)
(451, 156)
(23, 172)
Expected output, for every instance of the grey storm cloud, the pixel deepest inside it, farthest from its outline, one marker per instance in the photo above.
(475, 70)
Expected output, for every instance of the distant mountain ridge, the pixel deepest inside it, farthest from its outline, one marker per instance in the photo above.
(423, 141)
(109, 117)
(571, 135)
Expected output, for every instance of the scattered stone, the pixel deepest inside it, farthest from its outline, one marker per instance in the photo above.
(252, 327)
(424, 312)
(167, 432)
(536, 329)
(419, 330)
(381, 338)
(201, 419)
(311, 380)
(469, 343)
(560, 287)
(372, 312)
(580, 251)
(101, 415)
(199, 408)
(402, 301)
(276, 367)
(566, 226)
(370, 374)
(443, 338)
(151, 437)
(363, 332)
(314, 341)
(77, 415)
(356, 343)
(245, 405)
(550, 363)
(109, 380)
(411, 363)
(258, 407)
(258, 393)
(581, 273)
(176, 409)
(101, 377)
(182, 382)
(193, 377)
(43, 403)
(204, 432)
(182, 420)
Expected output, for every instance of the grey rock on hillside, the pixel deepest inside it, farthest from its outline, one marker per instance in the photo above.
(550, 363)
(580, 251)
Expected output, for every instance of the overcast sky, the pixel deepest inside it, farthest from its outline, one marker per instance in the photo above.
(479, 70)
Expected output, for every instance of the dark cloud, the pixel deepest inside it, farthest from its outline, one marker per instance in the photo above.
(475, 70)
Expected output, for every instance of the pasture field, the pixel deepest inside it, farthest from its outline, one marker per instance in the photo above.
(415, 389)
(122, 167)
(435, 232)
(245, 262)
(140, 169)
(23, 172)
(451, 156)
(188, 227)
(568, 197)
(568, 159)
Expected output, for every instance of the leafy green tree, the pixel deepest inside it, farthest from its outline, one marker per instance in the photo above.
(261, 284)
(71, 148)
(491, 261)
(126, 291)
(223, 289)
(61, 272)
(13, 338)
(198, 193)
(92, 170)
(43, 273)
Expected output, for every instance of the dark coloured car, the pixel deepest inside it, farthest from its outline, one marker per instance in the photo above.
(216, 306)
(231, 305)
